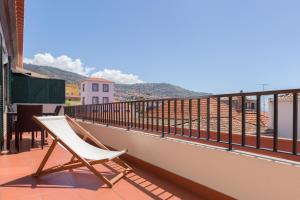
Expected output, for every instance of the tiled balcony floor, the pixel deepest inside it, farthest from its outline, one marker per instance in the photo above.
(16, 181)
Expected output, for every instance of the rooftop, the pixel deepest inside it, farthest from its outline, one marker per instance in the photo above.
(100, 80)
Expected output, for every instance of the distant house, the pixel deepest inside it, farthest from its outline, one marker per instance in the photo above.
(285, 115)
(250, 104)
(250, 121)
(96, 90)
(72, 93)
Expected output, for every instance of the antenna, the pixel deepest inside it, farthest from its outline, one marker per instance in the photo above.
(263, 87)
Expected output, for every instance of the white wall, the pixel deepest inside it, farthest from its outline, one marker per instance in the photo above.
(237, 175)
(285, 118)
(88, 94)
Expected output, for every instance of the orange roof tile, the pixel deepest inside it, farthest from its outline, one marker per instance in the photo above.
(237, 115)
(101, 80)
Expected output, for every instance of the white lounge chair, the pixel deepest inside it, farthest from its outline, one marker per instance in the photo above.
(65, 131)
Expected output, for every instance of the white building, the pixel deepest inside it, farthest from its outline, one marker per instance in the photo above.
(285, 116)
(96, 90)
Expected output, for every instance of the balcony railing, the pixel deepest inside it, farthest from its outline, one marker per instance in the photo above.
(223, 118)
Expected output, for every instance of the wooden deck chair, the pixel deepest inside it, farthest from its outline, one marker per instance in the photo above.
(65, 132)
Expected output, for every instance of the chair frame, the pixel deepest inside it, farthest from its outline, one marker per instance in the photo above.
(19, 133)
(76, 160)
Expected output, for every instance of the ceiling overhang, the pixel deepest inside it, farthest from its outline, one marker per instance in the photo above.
(12, 26)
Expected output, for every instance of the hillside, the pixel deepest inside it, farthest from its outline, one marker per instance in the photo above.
(154, 90)
(53, 72)
(123, 91)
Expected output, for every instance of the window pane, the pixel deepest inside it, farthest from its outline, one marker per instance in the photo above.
(95, 100)
(105, 100)
(105, 88)
(95, 87)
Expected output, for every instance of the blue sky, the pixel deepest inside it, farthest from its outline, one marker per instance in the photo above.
(212, 46)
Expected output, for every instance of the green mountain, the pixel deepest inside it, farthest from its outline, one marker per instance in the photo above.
(53, 72)
(122, 91)
(154, 91)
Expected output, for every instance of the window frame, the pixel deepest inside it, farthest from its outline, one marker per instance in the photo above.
(94, 88)
(105, 98)
(105, 87)
(97, 100)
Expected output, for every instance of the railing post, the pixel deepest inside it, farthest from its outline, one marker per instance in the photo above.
(91, 113)
(82, 113)
(106, 114)
(275, 123)
(143, 115)
(121, 114)
(101, 113)
(230, 125)
(182, 117)
(152, 111)
(157, 116)
(218, 119)
(124, 114)
(131, 114)
(111, 113)
(128, 116)
(116, 113)
(139, 115)
(295, 122)
(258, 101)
(162, 118)
(190, 117)
(169, 116)
(135, 114)
(175, 116)
(243, 120)
(199, 117)
(147, 115)
(208, 118)
(93, 108)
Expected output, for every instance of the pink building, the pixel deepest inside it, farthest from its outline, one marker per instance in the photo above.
(96, 90)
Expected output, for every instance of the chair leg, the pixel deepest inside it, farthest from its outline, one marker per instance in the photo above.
(9, 136)
(45, 159)
(17, 142)
(42, 138)
(8, 143)
(32, 139)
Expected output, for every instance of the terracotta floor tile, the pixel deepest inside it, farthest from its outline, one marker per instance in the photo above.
(16, 181)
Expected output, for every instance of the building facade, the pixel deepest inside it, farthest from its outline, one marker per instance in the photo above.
(285, 116)
(11, 54)
(18, 85)
(72, 94)
(96, 91)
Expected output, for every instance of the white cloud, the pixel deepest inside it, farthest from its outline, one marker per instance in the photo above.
(66, 63)
(117, 76)
(61, 62)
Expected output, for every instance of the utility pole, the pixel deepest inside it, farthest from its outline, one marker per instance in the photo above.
(263, 86)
